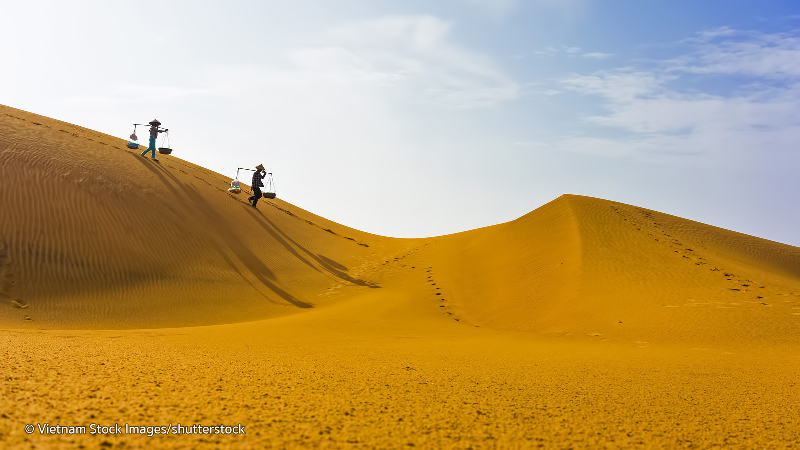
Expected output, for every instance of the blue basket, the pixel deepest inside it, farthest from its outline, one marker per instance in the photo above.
(133, 145)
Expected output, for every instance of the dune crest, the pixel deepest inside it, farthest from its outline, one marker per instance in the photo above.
(586, 266)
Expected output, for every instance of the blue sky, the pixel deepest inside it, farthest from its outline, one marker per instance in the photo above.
(420, 118)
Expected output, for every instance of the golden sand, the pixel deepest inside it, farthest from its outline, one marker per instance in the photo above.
(142, 293)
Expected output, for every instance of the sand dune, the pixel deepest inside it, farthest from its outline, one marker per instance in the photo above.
(145, 293)
(610, 270)
(97, 236)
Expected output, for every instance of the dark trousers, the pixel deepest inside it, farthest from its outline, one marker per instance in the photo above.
(256, 195)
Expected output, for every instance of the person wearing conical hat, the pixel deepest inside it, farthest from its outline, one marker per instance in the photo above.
(154, 130)
(257, 184)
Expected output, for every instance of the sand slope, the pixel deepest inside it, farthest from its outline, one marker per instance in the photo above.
(144, 293)
(93, 235)
(610, 270)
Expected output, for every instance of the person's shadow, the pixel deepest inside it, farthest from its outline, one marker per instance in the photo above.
(222, 234)
(328, 264)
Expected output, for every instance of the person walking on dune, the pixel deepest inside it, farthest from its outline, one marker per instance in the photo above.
(257, 184)
(154, 124)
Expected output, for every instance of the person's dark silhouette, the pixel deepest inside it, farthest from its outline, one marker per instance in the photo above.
(257, 184)
(154, 130)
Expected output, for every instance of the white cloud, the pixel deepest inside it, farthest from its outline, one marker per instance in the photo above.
(547, 92)
(406, 58)
(676, 112)
(538, 88)
(571, 51)
(497, 8)
(654, 113)
(140, 94)
(502, 8)
(414, 53)
(708, 35)
(620, 86)
(597, 55)
(751, 54)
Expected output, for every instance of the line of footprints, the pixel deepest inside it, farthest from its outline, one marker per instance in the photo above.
(408, 252)
(63, 131)
(437, 291)
(742, 284)
(8, 284)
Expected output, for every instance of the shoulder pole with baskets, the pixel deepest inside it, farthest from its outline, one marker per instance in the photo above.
(269, 187)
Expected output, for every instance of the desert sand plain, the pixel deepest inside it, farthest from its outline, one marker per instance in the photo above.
(142, 293)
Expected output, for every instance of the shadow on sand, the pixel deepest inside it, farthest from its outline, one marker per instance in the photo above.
(222, 232)
(328, 264)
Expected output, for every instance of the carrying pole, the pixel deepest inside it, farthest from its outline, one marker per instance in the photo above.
(242, 168)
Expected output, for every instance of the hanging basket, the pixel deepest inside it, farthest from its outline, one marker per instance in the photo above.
(235, 188)
(270, 187)
(165, 150)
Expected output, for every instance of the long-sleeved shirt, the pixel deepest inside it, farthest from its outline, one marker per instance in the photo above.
(257, 177)
(154, 132)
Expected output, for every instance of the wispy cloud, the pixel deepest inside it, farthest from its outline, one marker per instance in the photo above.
(656, 112)
(502, 8)
(497, 8)
(138, 94)
(597, 55)
(708, 35)
(571, 51)
(409, 52)
(535, 88)
(618, 86)
(752, 54)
